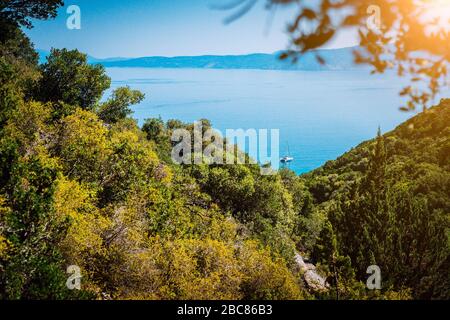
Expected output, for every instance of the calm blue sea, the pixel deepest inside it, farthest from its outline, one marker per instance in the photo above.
(320, 114)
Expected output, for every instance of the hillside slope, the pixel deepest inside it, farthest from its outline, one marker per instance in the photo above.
(387, 202)
(423, 140)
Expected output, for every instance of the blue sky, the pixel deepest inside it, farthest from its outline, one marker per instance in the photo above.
(136, 28)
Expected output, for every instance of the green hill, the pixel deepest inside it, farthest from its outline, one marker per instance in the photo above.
(388, 202)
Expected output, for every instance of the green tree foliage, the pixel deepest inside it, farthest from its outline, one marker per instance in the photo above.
(82, 145)
(18, 62)
(155, 129)
(10, 95)
(32, 268)
(83, 184)
(20, 12)
(117, 108)
(31, 234)
(15, 44)
(68, 78)
(265, 277)
(395, 213)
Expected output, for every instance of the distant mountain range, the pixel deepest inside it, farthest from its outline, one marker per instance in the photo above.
(335, 59)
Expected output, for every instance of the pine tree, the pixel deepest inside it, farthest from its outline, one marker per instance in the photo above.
(376, 171)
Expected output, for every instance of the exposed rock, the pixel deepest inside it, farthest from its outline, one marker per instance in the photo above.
(314, 280)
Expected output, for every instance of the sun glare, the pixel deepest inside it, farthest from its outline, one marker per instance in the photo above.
(438, 9)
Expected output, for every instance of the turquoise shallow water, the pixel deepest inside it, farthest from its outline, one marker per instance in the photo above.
(320, 115)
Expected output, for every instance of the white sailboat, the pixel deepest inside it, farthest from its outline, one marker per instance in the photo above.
(288, 158)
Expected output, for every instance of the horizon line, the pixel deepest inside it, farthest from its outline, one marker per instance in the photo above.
(199, 55)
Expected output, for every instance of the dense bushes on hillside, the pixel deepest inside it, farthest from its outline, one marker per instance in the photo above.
(392, 207)
(82, 185)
